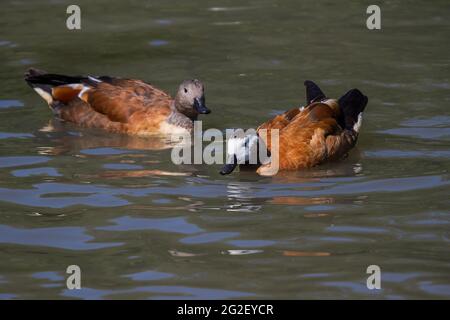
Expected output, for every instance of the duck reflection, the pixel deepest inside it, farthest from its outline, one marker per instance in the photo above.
(72, 141)
(349, 169)
(246, 197)
(57, 138)
(117, 174)
(241, 197)
(300, 201)
(189, 204)
(287, 188)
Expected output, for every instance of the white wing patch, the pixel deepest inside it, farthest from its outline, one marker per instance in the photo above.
(357, 125)
(45, 95)
(94, 79)
(85, 89)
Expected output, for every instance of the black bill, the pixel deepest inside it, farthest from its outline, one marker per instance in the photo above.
(229, 167)
(200, 106)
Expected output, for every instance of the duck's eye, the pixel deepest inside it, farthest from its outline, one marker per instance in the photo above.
(185, 90)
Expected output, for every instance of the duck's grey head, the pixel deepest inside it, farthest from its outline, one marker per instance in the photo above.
(190, 99)
(244, 150)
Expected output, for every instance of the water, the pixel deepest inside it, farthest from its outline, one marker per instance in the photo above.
(141, 227)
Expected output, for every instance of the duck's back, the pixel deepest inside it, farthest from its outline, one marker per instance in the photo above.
(310, 136)
(303, 140)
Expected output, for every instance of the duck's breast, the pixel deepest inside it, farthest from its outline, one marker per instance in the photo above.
(176, 123)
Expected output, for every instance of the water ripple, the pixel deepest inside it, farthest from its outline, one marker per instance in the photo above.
(48, 275)
(105, 151)
(408, 154)
(423, 133)
(149, 275)
(176, 225)
(168, 292)
(251, 243)
(6, 162)
(48, 171)
(10, 104)
(60, 195)
(209, 237)
(70, 238)
(9, 135)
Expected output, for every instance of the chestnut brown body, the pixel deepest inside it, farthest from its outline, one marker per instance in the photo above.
(120, 105)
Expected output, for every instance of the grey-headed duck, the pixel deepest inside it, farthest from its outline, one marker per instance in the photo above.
(120, 105)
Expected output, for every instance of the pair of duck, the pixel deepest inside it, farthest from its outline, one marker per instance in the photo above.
(323, 130)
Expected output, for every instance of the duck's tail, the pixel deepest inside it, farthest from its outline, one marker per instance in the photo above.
(313, 92)
(56, 87)
(352, 105)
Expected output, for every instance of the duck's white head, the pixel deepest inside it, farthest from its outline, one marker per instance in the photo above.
(244, 150)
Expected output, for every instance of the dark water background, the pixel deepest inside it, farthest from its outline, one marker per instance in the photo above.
(142, 227)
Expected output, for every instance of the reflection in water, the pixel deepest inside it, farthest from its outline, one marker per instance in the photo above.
(9, 135)
(70, 238)
(437, 121)
(355, 287)
(308, 184)
(305, 254)
(4, 104)
(346, 169)
(158, 292)
(294, 188)
(48, 171)
(67, 142)
(251, 243)
(177, 225)
(301, 200)
(209, 237)
(352, 229)
(242, 252)
(6, 162)
(192, 206)
(425, 128)
(117, 174)
(48, 275)
(149, 276)
(56, 195)
(423, 133)
(390, 154)
(241, 197)
(176, 253)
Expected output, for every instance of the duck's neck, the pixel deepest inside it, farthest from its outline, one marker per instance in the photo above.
(177, 108)
(180, 120)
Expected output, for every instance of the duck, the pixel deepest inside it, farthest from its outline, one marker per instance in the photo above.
(322, 130)
(120, 105)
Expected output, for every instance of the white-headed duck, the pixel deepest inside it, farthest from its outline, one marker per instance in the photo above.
(325, 129)
(120, 105)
